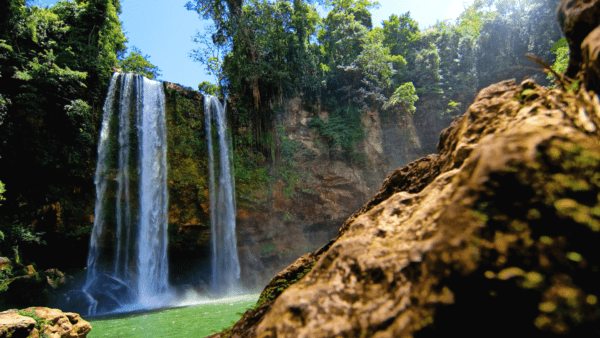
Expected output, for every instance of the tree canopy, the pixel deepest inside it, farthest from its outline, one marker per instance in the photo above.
(274, 48)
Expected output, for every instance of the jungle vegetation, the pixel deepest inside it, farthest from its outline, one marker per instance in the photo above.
(56, 62)
(262, 51)
(55, 65)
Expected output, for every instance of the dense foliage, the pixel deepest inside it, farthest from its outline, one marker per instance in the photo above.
(263, 50)
(137, 63)
(55, 65)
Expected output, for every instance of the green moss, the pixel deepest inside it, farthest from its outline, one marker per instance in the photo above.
(5, 278)
(542, 227)
(342, 129)
(187, 156)
(252, 181)
(40, 323)
(266, 249)
(280, 285)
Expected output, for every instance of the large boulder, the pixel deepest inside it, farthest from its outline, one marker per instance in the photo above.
(13, 325)
(42, 321)
(494, 236)
(61, 325)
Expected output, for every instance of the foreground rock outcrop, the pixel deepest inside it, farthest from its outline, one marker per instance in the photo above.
(38, 321)
(495, 236)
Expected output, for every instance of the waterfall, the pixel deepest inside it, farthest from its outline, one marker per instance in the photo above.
(131, 200)
(153, 266)
(225, 267)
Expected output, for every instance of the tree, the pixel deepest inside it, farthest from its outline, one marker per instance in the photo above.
(258, 51)
(345, 30)
(401, 34)
(135, 62)
(55, 64)
(208, 88)
(518, 28)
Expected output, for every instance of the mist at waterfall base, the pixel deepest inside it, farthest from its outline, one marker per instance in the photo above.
(128, 267)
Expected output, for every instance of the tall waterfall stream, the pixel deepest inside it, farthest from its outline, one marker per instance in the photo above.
(131, 199)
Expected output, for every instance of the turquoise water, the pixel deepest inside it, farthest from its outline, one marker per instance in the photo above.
(199, 320)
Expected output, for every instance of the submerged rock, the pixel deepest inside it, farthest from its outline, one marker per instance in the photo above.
(495, 236)
(110, 293)
(75, 301)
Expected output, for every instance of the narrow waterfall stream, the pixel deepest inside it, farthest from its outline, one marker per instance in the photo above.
(131, 200)
(225, 266)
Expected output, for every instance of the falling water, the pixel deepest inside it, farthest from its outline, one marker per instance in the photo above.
(225, 271)
(131, 200)
(153, 266)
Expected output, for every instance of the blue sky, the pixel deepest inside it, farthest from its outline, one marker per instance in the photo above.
(164, 29)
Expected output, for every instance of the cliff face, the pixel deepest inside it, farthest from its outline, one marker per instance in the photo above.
(310, 191)
(496, 235)
(301, 218)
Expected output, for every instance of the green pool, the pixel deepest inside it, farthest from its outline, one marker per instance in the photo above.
(198, 320)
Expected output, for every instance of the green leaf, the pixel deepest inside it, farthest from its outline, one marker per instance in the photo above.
(559, 44)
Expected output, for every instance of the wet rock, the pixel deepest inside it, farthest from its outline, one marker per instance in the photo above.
(75, 301)
(55, 278)
(590, 63)
(4, 263)
(25, 290)
(110, 293)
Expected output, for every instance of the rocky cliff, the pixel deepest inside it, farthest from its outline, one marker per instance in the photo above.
(307, 191)
(301, 217)
(494, 236)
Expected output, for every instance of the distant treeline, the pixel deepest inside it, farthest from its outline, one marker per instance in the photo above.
(262, 51)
